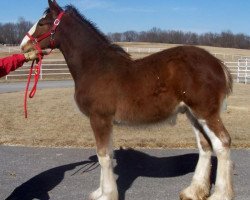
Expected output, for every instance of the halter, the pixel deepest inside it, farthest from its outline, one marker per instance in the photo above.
(36, 43)
(50, 33)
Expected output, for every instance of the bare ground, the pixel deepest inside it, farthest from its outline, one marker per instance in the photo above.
(54, 121)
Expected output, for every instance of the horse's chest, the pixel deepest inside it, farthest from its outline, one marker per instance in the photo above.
(83, 102)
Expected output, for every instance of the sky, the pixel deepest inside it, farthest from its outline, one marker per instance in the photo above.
(198, 16)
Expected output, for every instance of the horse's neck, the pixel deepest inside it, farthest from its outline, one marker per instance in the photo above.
(81, 48)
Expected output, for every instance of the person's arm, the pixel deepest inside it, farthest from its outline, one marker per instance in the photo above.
(11, 63)
(15, 61)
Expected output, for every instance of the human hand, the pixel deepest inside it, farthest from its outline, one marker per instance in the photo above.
(33, 55)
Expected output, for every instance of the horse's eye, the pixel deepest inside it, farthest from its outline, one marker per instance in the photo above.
(42, 22)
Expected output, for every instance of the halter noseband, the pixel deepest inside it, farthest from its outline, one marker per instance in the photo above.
(51, 33)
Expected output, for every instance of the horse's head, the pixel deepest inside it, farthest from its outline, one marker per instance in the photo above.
(43, 32)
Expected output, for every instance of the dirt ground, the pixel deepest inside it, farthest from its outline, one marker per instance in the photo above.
(54, 121)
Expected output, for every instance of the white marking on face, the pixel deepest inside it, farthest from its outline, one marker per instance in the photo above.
(26, 38)
(31, 32)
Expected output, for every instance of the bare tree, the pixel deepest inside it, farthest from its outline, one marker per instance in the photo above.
(224, 39)
(8, 33)
(23, 27)
(115, 37)
(130, 36)
(12, 33)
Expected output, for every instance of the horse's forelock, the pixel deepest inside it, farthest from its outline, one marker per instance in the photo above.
(47, 11)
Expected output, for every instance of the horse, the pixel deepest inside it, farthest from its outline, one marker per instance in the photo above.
(110, 87)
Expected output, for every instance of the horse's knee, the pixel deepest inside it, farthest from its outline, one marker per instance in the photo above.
(225, 138)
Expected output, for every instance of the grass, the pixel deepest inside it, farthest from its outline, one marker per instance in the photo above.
(54, 121)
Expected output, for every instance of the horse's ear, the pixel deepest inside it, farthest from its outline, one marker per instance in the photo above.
(54, 7)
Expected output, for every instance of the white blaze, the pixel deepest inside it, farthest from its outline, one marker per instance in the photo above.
(31, 32)
(26, 38)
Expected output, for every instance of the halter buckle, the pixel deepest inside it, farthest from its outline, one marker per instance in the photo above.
(56, 22)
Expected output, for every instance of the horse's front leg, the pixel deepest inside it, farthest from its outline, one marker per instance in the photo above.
(102, 127)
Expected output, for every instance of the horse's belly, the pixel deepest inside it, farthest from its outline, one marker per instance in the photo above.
(148, 114)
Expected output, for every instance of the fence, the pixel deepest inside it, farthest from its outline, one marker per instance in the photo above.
(57, 69)
(50, 69)
(12, 48)
(222, 56)
(243, 70)
(9, 48)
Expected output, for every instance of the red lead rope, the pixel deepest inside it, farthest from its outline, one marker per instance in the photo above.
(37, 70)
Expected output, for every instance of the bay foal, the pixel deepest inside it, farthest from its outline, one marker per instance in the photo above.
(110, 86)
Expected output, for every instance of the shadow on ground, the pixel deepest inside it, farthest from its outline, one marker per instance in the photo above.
(131, 164)
(39, 186)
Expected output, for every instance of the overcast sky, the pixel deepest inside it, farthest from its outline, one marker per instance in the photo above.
(140, 15)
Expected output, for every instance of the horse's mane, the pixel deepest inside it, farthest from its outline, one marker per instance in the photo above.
(91, 25)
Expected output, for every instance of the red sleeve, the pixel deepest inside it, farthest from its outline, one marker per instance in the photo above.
(11, 63)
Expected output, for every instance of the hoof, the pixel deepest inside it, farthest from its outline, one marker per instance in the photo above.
(98, 195)
(195, 192)
(222, 194)
(107, 197)
(220, 197)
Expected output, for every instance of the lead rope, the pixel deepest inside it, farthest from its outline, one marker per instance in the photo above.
(37, 68)
(32, 93)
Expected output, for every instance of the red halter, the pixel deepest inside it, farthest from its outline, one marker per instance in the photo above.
(36, 42)
(46, 35)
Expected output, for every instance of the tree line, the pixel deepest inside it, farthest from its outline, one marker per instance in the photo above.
(12, 33)
(224, 39)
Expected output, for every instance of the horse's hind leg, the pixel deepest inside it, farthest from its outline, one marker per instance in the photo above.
(221, 142)
(102, 128)
(200, 185)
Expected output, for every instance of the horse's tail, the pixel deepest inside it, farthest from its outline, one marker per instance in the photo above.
(228, 78)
